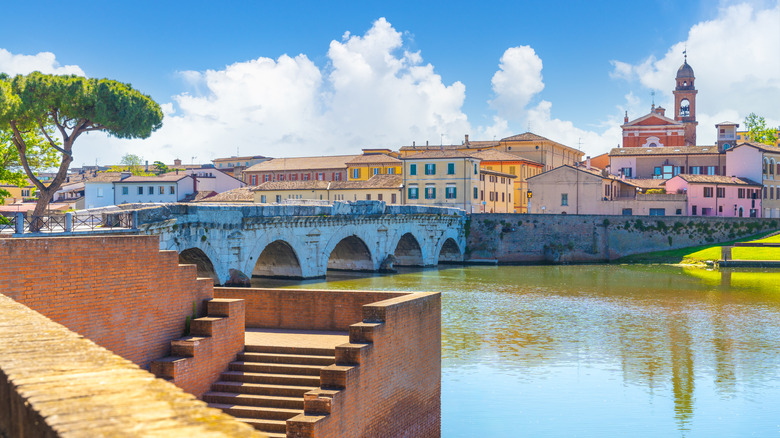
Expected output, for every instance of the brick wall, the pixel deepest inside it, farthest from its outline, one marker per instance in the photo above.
(303, 309)
(54, 382)
(387, 380)
(120, 291)
(534, 238)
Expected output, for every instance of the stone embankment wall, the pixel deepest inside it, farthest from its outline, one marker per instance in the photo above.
(535, 238)
(386, 380)
(53, 382)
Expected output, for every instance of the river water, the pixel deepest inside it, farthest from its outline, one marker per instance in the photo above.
(601, 350)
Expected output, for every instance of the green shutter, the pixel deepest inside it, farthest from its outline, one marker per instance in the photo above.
(412, 169)
(450, 168)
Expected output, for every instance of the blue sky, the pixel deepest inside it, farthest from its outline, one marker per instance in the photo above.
(371, 74)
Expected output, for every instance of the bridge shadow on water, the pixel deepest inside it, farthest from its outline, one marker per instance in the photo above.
(343, 276)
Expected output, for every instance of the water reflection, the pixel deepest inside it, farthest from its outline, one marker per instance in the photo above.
(676, 350)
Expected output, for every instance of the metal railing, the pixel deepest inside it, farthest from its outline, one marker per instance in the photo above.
(68, 223)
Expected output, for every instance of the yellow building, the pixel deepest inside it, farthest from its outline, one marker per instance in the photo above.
(548, 153)
(365, 166)
(387, 188)
(495, 194)
(744, 137)
(442, 178)
(519, 167)
(17, 194)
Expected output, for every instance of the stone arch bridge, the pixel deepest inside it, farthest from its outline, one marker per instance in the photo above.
(232, 243)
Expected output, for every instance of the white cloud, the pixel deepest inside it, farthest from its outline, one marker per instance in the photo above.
(373, 93)
(736, 63)
(44, 62)
(518, 79)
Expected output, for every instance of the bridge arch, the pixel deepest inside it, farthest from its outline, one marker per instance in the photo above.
(351, 254)
(196, 256)
(408, 251)
(278, 259)
(450, 252)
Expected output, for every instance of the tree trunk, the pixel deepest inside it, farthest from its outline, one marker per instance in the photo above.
(36, 221)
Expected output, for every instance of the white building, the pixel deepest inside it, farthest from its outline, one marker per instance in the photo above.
(99, 190)
(170, 187)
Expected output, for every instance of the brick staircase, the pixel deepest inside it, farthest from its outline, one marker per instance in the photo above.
(197, 359)
(265, 386)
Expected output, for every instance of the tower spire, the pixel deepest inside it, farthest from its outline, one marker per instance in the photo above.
(685, 53)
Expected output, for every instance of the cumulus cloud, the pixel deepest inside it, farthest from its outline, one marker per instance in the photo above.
(44, 62)
(372, 93)
(734, 57)
(518, 79)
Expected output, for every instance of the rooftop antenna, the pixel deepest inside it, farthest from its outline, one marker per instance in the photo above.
(685, 52)
(193, 160)
(652, 96)
(579, 143)
(441, 140)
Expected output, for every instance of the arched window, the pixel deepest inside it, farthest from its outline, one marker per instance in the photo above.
(766, 164)
(765, 192)
(685, 108)
(772, 166)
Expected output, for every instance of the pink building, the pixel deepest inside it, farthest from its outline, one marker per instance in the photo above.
(718, 195)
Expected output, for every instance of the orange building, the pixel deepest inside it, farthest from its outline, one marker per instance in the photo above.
(520, 168)
(657, 130)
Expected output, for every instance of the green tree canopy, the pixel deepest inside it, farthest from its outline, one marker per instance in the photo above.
(758, 131)
(39, 104)
(161, 167)
(40, 156)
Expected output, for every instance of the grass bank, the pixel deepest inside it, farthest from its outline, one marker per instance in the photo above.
(704, 253)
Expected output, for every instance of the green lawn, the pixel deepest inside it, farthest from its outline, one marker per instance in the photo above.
(770, 239)
(701, 254)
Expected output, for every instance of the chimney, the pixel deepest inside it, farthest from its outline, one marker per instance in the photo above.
(467, 139)
(177, 171)
(426, 142)
(177, 162)
(625, 119)
(124, 175)
(413, 144)
(147, 166)
(587, 162)
(660, 110)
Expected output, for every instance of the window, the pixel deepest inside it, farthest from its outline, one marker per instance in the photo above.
(430, 169)
(266, 178)
(706, 211)
(695, 170)
(172, 190)
(162, 190)
(693, 210)
(481, 195)
(305, 177)
(503, 197)
(628, 212)
(450, 192)
(476, 192)
(337, 176)
(430, 192)
(709, 170)
(741, 193)
(627, 172)
(391, 170)
(658, 211)
(281, 177)
(321, 176)
(151, 190)
(376, 171)
(450, 168)
(475, 169)
(379, 197)
(708, 192)
(262, 199)
(125, 190)
(512, 170)
(414, 192)
(679, 211)
(100, 192)
(412, 169)
(564, 199)
(140, 190)
(355, 173)
(278, 199)
(368, 197)
(392, 198)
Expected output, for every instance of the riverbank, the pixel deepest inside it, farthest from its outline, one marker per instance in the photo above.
(704, 254)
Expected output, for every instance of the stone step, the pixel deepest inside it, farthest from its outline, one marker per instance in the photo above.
(272, 428)
(270, 378)
(299, 359)
(261, 389)
(255, 367)
(257, 412)
(266, 401)
(166, 367)
(310, 351)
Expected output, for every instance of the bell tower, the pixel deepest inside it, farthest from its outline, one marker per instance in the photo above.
(685, 101)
